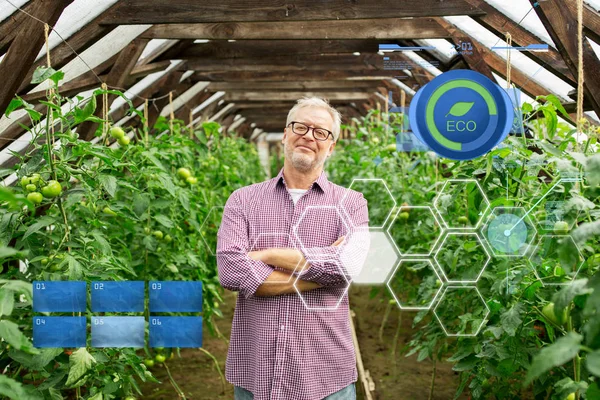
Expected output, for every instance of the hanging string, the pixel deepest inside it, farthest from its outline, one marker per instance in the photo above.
(580, 75)
(105, 112)
(50, 94)
(172, 116)
(508, 63)
(191, 118)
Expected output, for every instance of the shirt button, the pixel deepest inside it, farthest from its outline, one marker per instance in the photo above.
(282, 327)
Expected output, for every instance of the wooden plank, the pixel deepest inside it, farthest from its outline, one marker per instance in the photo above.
(591, 19)
(117, 77)
(171, 84)
(499, 24)
(262, 76)
(268, 95)
(9, 28)
(561, 25)
(291, 85)
(25, 47)
(287, 63)
(269, 48)
(63, 52)
(192, 11)
(385, 28)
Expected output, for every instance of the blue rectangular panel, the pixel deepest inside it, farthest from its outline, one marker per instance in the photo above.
(175, 331)
(118, 331)
(125, 296)
(59, 296)
(59, 331)
(175, 296)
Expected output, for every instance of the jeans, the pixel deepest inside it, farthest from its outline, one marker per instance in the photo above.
(347, 393)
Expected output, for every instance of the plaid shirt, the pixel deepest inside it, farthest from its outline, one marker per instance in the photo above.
(289, 347)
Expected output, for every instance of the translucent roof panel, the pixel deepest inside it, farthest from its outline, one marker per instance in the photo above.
(522, 13)
(596, 47)
(519, 60)
(444, 50)
(74, 17)
(595, 4)
(8, 8)
(153, 45)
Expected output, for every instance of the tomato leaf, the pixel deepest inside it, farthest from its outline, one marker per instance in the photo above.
(36, 361)
(79, 363)
(557, 354)
(109, 183)
(16, 391)
(163, 220)
(12, 106)
(564, 297)
(39, 224)
(593, 362)
(7, 301)
(11, 333)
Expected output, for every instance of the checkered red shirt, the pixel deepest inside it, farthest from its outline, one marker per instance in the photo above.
(287, 347)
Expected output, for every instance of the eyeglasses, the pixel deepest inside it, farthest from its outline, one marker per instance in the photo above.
(301, 129)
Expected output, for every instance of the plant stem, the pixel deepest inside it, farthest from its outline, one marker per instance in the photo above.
(397, 335)
(432, 386)
(177, 389)
(217, 365)
(386, 314)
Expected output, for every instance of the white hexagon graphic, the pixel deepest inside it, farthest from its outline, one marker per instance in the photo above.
(546, 262)
(323, 299)
(378, 195)
(380, 260)
(450, 331)
(393, 282)
(213, 251)
(327, 216)
(443, 263)
(273, 240)
(509, 231)
(445, 202)
(401, 222)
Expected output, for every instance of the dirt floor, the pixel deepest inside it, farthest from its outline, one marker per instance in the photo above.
(406, 379)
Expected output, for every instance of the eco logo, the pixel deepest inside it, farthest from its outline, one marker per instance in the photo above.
(461, 114)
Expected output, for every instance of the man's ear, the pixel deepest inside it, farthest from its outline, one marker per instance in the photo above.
(331, 148)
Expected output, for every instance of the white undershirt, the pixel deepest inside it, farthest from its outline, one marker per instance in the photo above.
(296, 194)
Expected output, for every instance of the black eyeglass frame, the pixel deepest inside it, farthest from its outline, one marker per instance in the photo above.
(308, 130)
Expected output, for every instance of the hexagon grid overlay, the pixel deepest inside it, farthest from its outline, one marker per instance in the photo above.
(415, 284)
(323, 300)
(509, 231)
(327, 216)
(461, 311)
(273, 240)
(462, 257)
(556, 260)
(461, 203)
(380, 201)
(380, 260)
(415, 230)
(210, 227)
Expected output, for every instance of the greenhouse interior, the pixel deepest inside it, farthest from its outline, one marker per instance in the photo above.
(291, 200)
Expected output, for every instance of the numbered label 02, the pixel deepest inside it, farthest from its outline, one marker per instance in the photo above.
(175, 296)
(125, 296)
(59, 331)
(118, 331)
(176, 332)
(59, 296)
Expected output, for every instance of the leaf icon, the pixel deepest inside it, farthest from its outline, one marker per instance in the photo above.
(461, 108)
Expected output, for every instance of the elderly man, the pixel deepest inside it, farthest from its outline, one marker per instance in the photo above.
(279, 246)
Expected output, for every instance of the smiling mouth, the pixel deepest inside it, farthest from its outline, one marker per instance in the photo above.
(304, 147)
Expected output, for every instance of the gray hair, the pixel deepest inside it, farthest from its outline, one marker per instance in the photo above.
(321, 103)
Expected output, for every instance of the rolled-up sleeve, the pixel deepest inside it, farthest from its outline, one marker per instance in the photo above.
(335, 266)
(237, 271)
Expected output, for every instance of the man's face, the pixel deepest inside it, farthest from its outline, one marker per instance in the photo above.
(305, 152)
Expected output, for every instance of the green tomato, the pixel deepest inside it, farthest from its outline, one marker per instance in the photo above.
(390, 147)
(25, 181)
(183, 173)
(571, 396)
(52, 189)
(147, 230)
(31, 187)
(106, 210)
(35, 197)
(117, 132)
(160, 358)
(157, 234)
(124, 141)
(130, 398)
(404, 215)
(485, 384)
(561, 227)
(192, 180)
(56, 267)
(149, 362)
(168, 239)
(463, 220)
(35, 178)
(44, 261)
(549, 313)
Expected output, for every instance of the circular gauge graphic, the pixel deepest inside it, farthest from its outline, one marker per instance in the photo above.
(461, 114)
(507, 233)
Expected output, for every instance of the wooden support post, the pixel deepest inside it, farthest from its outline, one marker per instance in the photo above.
(25, 47)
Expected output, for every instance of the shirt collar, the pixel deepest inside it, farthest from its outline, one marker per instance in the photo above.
(321, 182)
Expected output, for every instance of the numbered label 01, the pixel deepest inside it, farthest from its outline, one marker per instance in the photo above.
(59, 296)
(59, 331)
(175, 296)
(175, 331)
(118, 331)
(126, 296)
